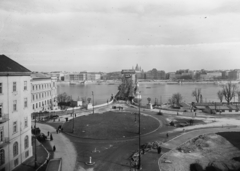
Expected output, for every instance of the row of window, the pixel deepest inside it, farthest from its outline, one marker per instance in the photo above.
(25, 104)
(15, 125)
(41, 95)
(14, 106)
(42, 86)
(15, 151)
(41, 104)
(14, 87)
(36, 87)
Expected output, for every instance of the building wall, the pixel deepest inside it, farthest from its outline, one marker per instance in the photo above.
(234, 75)
(20, 116)
(44, 93)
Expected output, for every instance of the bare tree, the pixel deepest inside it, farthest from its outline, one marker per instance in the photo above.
(89, 100)
(175, 99)
(229, 90)
(220, 95)
(197, 94)
(63, 100)
(149, 100)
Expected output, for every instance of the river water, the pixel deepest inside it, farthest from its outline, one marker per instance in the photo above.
(161, 92)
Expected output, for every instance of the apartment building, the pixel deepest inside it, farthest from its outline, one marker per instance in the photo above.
(43, 92)
(15, 114)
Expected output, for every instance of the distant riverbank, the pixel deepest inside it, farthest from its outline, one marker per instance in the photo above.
(118, 82)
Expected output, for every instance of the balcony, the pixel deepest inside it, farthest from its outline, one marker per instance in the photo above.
(5, 142)
(4, 118)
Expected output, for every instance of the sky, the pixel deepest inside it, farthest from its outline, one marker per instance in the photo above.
(111, 35)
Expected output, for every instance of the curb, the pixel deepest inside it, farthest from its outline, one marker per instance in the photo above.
(121, 139)
(48, 155)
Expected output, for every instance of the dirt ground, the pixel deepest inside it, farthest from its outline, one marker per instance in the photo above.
(210, 152)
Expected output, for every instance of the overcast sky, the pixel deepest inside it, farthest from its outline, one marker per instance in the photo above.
(110, 35)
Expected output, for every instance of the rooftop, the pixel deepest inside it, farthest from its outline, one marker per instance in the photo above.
(39, 76)
(8, 65)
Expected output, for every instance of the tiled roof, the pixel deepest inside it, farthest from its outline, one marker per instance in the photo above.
(9, 65)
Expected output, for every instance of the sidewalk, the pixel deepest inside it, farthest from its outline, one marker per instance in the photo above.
(64, 148)
(181, 139)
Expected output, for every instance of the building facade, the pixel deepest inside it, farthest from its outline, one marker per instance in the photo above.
(15, 114)
(211, 75)
(43, 92)
(234, 74)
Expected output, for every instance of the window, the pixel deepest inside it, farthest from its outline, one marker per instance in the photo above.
(16, 162)
(26, 122)
(36, 96)
(14, 86)
(26, 154)
(33, 106)
(33, 96)
(0, 88)
(15, 105)
(36, 105)
(1, 134)
(15, 127)
(2, 157)
(26, 142)
(39, 104)
(25, 103)
(25, 85)
(15, 149)
(32, 87)
(1, 110)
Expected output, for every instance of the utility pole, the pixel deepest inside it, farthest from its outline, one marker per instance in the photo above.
(35, 141)
(139, 148)
(93, 101)
(73, 121)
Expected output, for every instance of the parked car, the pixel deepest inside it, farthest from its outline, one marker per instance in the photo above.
(54, 116)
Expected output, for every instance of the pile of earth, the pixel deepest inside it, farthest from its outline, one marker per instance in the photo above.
(210, 152)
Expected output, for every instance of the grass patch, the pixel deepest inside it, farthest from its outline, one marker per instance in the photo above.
(110, 125)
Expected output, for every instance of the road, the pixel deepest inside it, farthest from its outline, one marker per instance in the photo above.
(114, 154)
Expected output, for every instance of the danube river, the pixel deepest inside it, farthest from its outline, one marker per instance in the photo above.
(161, 92)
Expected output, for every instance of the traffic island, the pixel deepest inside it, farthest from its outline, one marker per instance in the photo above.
(110, 125)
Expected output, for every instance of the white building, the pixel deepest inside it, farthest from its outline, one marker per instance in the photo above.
(44, 92)
(15, 114)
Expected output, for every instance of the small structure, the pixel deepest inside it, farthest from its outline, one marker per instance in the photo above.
(149, 106)
(76, 103)
(89, 106)
(90, 163)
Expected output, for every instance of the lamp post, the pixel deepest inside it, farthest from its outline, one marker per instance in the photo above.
(35, 142)
(93, 101)
(73, 121)
(139, 140)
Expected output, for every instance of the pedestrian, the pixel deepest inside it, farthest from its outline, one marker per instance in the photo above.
(159, 150)
(62, 129)
(48, 133)
(54, 148)
(51, 137)
(167, 135)
(57, 130)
